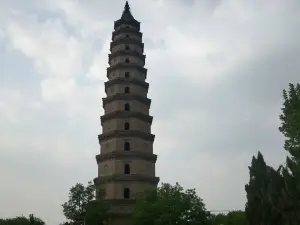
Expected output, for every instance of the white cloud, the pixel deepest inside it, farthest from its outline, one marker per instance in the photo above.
(58, 89)
(97, 69)
(53, 51)
(9, 100)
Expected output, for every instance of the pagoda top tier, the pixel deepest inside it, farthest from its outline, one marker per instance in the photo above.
(127, 18)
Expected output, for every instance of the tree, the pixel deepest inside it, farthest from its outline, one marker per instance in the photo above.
(169, 205)
(35, 221)
(79, 196)
(82, 206)
(231, 218)
(22, 220)
(274, 195)
(290, 121)
(290, 128)
(219, 219)
(263, 193)
(97, 212)
(236, 218)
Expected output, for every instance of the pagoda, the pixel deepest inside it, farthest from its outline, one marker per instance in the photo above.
(126, 163)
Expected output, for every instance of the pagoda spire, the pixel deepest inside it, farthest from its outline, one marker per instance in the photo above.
(127, 7)
(126, 15)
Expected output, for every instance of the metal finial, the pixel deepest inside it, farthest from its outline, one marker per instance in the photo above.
(127, 7)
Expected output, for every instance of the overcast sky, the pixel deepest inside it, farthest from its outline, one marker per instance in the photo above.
(216, 71)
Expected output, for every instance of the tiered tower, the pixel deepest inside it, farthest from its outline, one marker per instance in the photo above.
(126, 163)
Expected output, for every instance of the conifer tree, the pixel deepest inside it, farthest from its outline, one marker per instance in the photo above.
(263, 193)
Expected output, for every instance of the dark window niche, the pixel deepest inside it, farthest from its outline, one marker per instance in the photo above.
(127, 107)
(126, 169)
(126, 126)
(126, 146)
(126, 193)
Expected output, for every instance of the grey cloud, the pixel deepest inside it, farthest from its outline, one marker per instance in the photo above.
(239, 106)
(243, 108)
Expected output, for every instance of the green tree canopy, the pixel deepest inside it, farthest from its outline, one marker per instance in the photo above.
(290, 121)
(22, 220)
(82, 206)
(290, 128)
(79, 196)
(97, 212)
(169, 205)
(236, 218)
(231, 218)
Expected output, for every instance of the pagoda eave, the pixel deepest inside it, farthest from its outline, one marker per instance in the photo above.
(124, 155)
(136, 24)
(126, 53)
(121, 80)
(126, 41)
(127, 97)
(127, 66)
(126, 133)
(126, 178)
(127, 30)
(126, 115)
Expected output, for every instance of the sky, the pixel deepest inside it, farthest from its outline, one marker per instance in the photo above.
(216, 70)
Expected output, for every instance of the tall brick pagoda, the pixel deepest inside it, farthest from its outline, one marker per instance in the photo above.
(126, 163)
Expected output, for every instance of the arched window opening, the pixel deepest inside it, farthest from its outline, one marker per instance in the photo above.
(127, 74)
(127, 60)
(127, 47)
(126, 193)
(126, 169)
(126, 126)
(126, 146)
(127, 107)
(126, 90)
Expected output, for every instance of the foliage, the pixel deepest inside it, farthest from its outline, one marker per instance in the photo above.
(219, 219)
(290, 118)
(274, 195)
(21, 220)
(232, 218)
(35, 221)
(236, 218)
(97, 212)
(79, 196)
(169, 205)
(263, 193)
(290, 128)
(81, 206)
